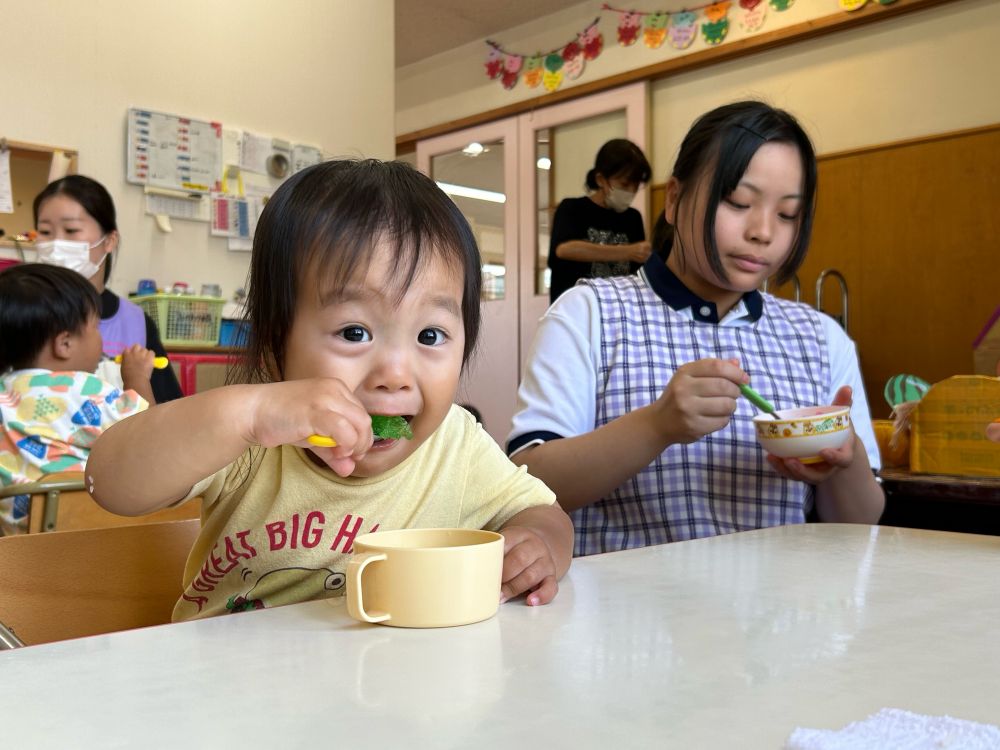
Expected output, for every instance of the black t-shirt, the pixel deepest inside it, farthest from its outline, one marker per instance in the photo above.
(582, 219)
(163, 382)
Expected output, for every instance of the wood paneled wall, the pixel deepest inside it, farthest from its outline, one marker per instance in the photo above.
(914, 227)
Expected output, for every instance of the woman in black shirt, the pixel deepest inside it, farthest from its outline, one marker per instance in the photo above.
(600, 234)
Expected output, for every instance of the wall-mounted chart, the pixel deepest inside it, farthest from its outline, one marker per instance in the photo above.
(174, 152)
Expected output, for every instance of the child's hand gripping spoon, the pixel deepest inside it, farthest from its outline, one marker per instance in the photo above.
(159, 363)
(382, 426)
(759, 401)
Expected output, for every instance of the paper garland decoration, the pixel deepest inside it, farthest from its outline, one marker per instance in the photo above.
(715, 30)
(680, 29)
(683, 30)
(655, 30)
(755, 11)
(628, 27)
(548, 69)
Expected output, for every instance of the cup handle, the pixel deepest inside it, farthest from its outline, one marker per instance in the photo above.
(355, 603)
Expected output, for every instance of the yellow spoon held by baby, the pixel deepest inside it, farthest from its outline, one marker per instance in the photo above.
(159, 363)
(382, 426)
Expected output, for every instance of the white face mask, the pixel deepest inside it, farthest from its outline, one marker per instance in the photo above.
(619, 199)
(72, 255)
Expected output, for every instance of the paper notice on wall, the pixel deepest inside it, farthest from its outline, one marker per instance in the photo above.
(236, 245)
(173, 152)
(305, 156)
(232, 145)
(177, 206)
(6, 194)
(230, 217)
(254, 150)
(254, 205)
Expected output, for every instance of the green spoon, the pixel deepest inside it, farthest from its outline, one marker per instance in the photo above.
(759, 401)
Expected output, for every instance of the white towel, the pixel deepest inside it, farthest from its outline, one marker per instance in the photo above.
(895, 729)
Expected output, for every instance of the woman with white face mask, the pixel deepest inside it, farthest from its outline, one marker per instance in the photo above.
(600, 234)
(77, 229)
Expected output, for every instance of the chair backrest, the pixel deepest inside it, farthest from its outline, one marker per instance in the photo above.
(59, 502)
(78, 583)
(78, 510)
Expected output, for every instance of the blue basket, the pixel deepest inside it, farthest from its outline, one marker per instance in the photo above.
(233, 333)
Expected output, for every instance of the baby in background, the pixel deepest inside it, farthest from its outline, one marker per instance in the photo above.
(52, 405)
(364, 299)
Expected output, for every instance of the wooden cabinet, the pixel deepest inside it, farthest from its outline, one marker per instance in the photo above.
(944, 503)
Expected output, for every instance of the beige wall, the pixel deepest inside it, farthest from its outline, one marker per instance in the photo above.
(931, 71)
(312, 71)
(453, 84)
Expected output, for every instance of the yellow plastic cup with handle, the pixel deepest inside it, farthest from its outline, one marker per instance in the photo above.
(425, 578)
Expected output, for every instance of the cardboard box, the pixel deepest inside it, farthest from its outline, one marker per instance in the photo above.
(948, 433)
(986, 347)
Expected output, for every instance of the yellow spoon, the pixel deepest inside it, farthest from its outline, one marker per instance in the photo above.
(322, 441)
(159, 363)
(382, 426)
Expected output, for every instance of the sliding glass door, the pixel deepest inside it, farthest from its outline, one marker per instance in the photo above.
(507, 177)
(478, 169)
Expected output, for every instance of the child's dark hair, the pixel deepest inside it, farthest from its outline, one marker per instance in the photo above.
(478, 415)
(90, 194)
(725, 140)
(620, 157)
(37, 303)
(325, 222)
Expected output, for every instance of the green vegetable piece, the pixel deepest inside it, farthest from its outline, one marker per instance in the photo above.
(391, 427)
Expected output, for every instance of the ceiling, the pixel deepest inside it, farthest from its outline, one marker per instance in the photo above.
(427, 27)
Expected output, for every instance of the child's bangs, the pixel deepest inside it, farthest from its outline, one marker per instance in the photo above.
(339, 259)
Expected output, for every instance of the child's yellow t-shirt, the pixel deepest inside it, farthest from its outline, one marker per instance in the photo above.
(278, 529)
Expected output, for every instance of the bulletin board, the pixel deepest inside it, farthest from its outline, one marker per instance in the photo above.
(201, 170)
(173, 152)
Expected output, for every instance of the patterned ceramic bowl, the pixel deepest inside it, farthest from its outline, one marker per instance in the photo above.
(803, 433)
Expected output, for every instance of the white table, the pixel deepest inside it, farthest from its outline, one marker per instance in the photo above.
(724, 642)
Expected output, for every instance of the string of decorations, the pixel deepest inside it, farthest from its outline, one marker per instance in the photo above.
(679, 28)
(546, 68)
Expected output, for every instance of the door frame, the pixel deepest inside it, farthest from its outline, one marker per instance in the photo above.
(494, 367)
(490, 383)
(634, 100)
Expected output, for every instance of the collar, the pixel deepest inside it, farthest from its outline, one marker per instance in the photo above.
(671, 290)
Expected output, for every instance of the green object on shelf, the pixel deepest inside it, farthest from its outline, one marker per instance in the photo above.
(902, 388)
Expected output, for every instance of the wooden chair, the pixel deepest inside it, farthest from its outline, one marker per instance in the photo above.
(78, 583)
(59, 502)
